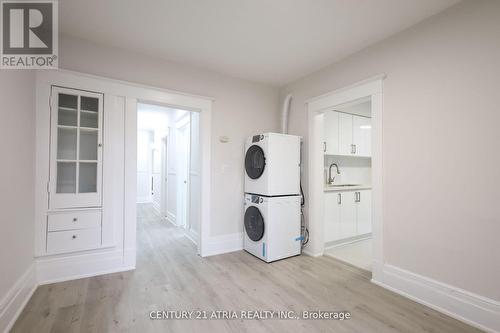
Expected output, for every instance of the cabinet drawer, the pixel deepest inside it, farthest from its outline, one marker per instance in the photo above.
(73, 240)
(74, 220)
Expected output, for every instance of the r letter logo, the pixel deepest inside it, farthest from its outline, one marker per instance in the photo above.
(29, 34)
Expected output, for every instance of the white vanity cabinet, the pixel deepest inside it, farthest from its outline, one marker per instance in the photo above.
(347, 214)
(74, 212)
(331, 146)
(347, 134)
(363, 202)
(362, 136)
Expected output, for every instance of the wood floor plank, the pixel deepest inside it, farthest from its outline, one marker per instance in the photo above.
(170, 276)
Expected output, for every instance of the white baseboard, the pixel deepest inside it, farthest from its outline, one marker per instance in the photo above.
(348, 241)
(13, 303)
(171, 218)
(71, 267)
(156, 206)
(224, 244)
(307, 252)
(473, 309)
(192, 236)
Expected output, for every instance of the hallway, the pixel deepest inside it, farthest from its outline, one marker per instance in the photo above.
(171, 276)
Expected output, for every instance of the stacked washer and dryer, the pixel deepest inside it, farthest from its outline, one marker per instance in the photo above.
(272, 196)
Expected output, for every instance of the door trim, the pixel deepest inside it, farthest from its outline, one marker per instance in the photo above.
(371, 88)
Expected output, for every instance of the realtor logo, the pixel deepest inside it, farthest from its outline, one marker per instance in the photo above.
(29, 34)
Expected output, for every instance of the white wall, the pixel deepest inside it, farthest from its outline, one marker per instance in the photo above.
(17, 175)
(440, 140)
(353, 170)
(241, 108)
(360, 109)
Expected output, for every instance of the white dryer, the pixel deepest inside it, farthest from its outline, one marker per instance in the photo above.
(272, 226)
(272, 164)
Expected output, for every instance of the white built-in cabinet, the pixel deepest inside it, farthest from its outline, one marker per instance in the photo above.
(75, 171)
(75, 149)
(347, 214)
(347, 134)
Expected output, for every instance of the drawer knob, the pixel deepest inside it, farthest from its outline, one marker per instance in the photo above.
(74, 237)
(75, 219)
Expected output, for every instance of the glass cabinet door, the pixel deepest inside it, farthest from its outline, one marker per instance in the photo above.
(76, 133)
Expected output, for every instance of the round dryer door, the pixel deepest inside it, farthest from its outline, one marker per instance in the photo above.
(254, 223)
(255, 162)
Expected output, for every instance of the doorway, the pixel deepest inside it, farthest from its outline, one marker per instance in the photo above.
(347, 193)
(165, 161)
(360, 165)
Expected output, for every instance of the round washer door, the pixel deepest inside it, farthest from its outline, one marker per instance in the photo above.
(254, 223)
(255, 162)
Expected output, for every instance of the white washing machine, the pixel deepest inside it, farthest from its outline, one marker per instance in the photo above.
(272, 226)
(272, 164)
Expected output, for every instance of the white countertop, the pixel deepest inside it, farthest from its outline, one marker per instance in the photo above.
(333, 188)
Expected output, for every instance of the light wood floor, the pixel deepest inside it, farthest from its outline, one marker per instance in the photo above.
(358, 254)
(170, 276)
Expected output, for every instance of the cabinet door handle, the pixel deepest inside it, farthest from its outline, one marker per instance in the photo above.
(74, 237)
(339, 201)
(324, 146)
(355, 148)
(357, 196)
(75, 219)
(352, 148)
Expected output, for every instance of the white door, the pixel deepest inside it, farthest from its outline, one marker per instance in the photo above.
(194, 177)
(75, 149)
(183, 173)
(156, 182)
(144, 166)
(362, 136)
(347, 215)
(345, 134)
(331, 124)
(332, 216)
(364, 212)
(163, 177)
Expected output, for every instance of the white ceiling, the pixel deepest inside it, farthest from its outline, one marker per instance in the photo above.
(270, 41)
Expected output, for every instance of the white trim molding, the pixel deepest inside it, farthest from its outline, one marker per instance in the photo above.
(473, 309)
(13, 303)
(171, 218)
(224, 244)
(64, 268)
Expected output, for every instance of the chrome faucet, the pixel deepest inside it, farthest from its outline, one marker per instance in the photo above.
(330, 179)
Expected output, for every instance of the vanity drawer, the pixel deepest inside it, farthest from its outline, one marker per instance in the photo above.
(74, 220)
(73, 240)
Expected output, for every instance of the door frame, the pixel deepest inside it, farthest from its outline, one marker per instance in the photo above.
(373, 88)
(201, 105)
